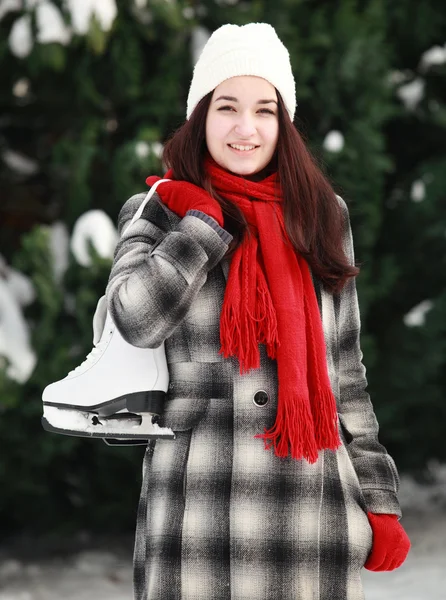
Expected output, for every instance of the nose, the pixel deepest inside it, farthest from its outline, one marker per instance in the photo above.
(245, 126)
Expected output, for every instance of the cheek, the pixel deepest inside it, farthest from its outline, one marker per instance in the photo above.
(218, 130)
(272, 135)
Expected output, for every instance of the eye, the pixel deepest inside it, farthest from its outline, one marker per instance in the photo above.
(267, 111)
(226, 108)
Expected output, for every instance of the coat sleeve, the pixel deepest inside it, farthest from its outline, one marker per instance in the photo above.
(159, 267)
(376, 470)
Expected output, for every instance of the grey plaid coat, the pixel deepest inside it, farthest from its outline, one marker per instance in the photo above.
(221, 518)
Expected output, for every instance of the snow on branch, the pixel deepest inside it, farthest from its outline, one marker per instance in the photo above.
(16, 291)
(97, 228)
(51, 26)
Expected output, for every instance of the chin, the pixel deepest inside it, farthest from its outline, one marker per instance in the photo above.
(243, 170)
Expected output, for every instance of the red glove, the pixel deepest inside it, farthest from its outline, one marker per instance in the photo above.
(181, 196)
(390, 543)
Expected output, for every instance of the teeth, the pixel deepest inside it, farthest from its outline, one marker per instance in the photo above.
(243, 148)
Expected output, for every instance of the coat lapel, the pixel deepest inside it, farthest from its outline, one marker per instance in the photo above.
(224, 263)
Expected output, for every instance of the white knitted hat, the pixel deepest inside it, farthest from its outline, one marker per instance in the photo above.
(233, 50)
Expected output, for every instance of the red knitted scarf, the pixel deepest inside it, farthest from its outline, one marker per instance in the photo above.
(270, 299)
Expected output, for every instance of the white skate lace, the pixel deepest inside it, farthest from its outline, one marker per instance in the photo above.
(91, 357)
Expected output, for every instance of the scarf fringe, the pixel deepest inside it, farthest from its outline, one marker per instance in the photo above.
(233, 331)
(293, 431)
(300, 435)
(325, 420)
(240, 336)
(241, 331)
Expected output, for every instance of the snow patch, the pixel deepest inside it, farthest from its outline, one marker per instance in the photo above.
(434, 56)
(417, 315)
(396, 77)
(412, 93)
(418, 191)
(82, 11)
(200, 36)
(96, 227)
(419, 497)
(93, 574)
(157, 149)
(129, 424)
(20, 163)
(142, 149)
(94, 563)
(21, 88)
(16, 290)
(60, 249)
(50, 25)
(7, 6)
(20, 38)
(334, 141)
(188, 12)
(10, 568)
(14, 336)
(23, 595)
(19, 284)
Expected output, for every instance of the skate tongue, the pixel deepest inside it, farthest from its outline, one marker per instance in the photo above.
(99, 319)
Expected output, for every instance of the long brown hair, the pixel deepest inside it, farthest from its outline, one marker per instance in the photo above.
(312, 214)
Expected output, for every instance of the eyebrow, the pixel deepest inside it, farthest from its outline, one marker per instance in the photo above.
(233, 99)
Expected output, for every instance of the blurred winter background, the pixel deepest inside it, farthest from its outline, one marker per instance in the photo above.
(90, 89)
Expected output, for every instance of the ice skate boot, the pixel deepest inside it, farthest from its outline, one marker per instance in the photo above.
(117, 393)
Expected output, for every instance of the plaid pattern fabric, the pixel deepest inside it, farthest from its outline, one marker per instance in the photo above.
(219, 517)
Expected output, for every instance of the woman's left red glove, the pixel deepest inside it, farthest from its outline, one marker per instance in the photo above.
(390, 543)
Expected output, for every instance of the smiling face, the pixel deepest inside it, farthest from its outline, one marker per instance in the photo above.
(242, 124)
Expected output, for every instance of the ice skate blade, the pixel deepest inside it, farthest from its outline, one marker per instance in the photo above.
(124, 442)
(120, 426)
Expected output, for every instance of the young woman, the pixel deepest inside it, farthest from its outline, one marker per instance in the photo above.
(276, 486)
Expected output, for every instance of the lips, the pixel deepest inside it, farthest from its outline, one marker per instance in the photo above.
(240, 151)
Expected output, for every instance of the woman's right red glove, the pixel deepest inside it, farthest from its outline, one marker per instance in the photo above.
(391, 544)
(181, 196)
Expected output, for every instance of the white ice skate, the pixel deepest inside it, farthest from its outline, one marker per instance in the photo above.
(117, 393)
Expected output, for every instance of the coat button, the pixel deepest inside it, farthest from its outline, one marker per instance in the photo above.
(260, 398)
